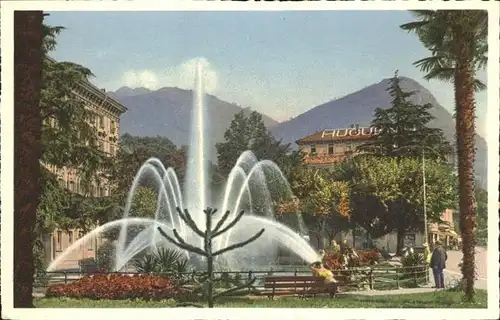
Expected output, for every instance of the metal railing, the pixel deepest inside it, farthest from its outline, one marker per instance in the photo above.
(373, 277)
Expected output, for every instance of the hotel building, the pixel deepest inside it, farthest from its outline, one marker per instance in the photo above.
(330, 146)
(105, 120)
(324, 148)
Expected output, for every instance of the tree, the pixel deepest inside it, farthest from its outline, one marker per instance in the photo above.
(134, 151)
(68, 138)
(403, 128)
(28, 55)
(387, 194)
(458, 42)
(53, 201)
(208, 235)
(144, 204)
(248, 133)
(330, 205)
(324, 202)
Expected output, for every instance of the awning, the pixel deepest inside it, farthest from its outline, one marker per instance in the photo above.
(450, 233)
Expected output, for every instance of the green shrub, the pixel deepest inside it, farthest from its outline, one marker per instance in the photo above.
(146, 264)
(39, 263)
(414, 266)
(164, 260)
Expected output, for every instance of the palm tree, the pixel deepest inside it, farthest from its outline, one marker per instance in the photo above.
(458, 43)
(28, 53)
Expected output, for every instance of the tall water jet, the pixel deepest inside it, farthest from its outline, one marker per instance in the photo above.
(196, 184)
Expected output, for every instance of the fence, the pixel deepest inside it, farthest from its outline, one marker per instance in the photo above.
(379, 278)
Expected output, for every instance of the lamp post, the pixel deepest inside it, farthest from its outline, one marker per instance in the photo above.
(425, 198)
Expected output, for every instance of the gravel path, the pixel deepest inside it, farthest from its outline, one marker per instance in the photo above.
(389, 292)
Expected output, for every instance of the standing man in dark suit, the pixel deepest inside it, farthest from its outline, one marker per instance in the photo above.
(438, 264)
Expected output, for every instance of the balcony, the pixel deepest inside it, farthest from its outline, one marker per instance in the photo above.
(324, 158)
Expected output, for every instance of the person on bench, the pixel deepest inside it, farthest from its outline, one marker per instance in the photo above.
(320, 271)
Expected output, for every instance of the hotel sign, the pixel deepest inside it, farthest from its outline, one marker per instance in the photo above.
(350, 132)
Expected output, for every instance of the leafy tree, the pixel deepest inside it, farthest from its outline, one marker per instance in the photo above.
(329, 205)
(458, 42)
(53, 201)
(28, 35)
(387, 194)
(134, 151)
(324, 203)
(248, 133)
(403, 128)
(68, 139)
(144, 204)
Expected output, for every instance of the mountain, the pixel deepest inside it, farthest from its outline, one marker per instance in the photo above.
(167, 112)
(359, 107)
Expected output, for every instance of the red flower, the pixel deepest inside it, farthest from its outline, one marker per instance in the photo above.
(117, 286)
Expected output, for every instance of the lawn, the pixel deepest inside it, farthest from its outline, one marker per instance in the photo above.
(438, 299)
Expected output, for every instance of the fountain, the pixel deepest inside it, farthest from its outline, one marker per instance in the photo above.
(252, 185)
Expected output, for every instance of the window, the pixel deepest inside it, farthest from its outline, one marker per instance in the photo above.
(70, 237)
(101, 121)
(112, 149)
(72, 186)
(313, 149)
(59, 241)
(330, 149)
(113, 127)
(348, 147)
(93, 191)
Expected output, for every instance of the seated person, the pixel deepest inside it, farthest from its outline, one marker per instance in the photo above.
(320, 271)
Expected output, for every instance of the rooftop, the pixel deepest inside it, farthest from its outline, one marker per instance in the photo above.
(335, 135)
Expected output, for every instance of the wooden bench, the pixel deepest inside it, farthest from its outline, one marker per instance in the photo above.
(297, 285)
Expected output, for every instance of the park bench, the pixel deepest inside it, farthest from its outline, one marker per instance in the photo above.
(297, 285)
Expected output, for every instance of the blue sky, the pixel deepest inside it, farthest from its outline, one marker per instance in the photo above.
(279, 63)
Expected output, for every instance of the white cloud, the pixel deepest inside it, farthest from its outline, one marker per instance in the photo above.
(145, 78)
(181, 76)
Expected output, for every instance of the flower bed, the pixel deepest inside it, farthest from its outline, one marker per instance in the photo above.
(333, 260)
(369, 257)
(117, 287)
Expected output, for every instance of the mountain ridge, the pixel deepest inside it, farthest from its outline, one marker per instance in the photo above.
(166, 112)
(358, 108)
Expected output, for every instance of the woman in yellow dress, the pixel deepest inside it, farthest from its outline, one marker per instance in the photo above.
(320, 271)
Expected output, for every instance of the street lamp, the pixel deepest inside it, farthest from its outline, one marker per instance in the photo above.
(425, 199)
